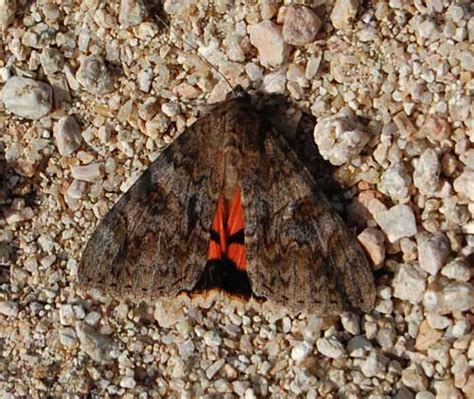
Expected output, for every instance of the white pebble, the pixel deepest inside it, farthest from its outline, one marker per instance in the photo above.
(464, 184)
(128, 382)
(456, 296)
(397, 222)
(27, 98)
(433, 250)
(395, 182)
(301, 351)
(409, 283)
(457, 270)
(89, 173)
(426, 173)
(330, 347)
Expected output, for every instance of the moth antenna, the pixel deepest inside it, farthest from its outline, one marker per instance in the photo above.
(196, 49)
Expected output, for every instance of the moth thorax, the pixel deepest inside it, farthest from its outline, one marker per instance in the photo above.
(231, 176)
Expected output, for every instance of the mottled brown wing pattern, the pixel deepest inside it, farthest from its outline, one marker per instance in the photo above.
(299, 252)
(154, 240)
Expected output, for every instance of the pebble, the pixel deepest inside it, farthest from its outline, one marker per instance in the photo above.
(67, 317)
(341, 137)
(212, 338)
(27, 98)
(344, 13)
(359, 346)
(414, 378)
(427, 336)
(9, 308)
(128, 382)
(395, 182)
(98, 346)
(301, 351)
(67, 134)
(51, 60)
(267, 37)
(433, 250)
(374, 365)
(409, 283)
(7, 13)
(373, 242)
(397, 222)
(77, 189)
(274, 83)
(426, 173)
(68, 337)
(464, 184)
(457, 270)
(214, 368)
(455, 296)
(330, 347)
(89, 173)
(301, 25)
(132, 12)
(94, 76)
(350, 322)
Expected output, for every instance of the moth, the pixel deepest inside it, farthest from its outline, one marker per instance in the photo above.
(229, 205)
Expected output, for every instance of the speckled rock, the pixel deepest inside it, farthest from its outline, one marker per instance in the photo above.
(301, 25)
(132, 12)
(340, 137)
(395, 182)
(343, 13)
(96, 345)
(27, 98)
(426, 173)
(89, 173)
(94, 76)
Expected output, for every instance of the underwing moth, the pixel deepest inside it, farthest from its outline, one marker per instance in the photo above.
(229, 205)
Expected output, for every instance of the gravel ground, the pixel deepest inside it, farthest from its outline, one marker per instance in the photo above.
(91, 93)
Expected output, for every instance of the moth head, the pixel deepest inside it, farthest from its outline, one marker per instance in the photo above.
(238, 92)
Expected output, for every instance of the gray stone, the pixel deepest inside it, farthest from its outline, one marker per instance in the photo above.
(67, 134)
(96, 345)
(7, 13)
(94, 76)
(395, 182)
(433, 250)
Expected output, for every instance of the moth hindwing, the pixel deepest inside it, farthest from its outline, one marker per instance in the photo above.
(229, 205)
